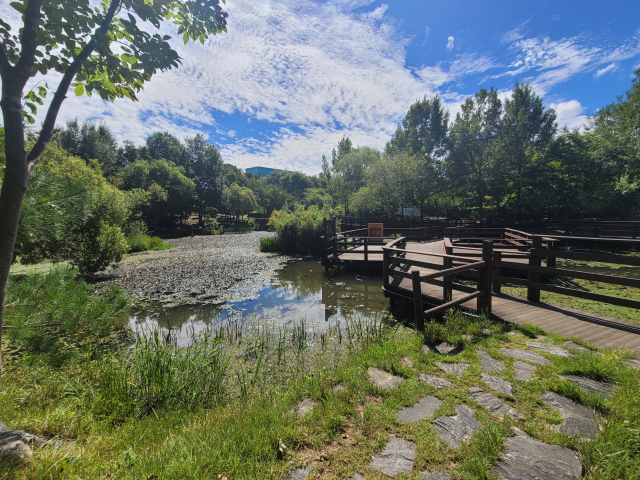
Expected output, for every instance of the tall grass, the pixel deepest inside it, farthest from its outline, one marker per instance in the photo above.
(141, 242)
(157, 376)
(298, 231)
(268, 244)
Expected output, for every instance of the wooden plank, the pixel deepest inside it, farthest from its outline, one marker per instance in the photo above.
(590, 257)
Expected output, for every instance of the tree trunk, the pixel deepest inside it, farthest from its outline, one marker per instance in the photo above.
(14, 185)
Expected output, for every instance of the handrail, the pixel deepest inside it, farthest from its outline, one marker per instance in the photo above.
(428, 254)
(452, 271)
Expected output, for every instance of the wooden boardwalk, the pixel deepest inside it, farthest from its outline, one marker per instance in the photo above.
(600, 330)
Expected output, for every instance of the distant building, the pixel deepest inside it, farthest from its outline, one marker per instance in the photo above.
(262, 172)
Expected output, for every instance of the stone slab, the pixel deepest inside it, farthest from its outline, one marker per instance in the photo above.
(17, 443)
(435, 381)
(575, 346)
(633, 363)
(524, 371)
(435, 476)
(422, 409)
(456, 369)
(590, 386)
(407, 362)
(553, 349)
(578, 419)
(488, 331)
(528, 355)
(498, 384)
(304, 406)
(447, 349)
(495, 406)
(300, 473)
(383, 380)
(426, 350)
(338, 388)
(540, 337)
(488, 363)
(527, 458)
(396, 458)
(513, 334)
(457, 429)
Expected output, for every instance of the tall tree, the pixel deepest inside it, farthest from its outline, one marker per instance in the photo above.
(100, 50)
(527, 129)
(90, 141)
(472, 145)
(205, 165)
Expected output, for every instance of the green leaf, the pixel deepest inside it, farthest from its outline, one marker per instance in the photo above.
(79, 90)
(185, 37)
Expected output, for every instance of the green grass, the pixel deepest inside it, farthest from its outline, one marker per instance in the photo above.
(268, 244)
(243, 426)
(141, 242)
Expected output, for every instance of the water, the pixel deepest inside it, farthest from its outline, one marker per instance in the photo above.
(301, 290)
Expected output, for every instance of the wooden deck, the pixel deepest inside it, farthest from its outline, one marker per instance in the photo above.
(600, 330)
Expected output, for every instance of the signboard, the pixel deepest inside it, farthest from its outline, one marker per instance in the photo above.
(330, 228)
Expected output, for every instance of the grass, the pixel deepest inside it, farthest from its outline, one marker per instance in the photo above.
(238, 422)
(141, 242)
(268, 244)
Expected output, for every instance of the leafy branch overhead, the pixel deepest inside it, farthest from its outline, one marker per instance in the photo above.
(114, 37)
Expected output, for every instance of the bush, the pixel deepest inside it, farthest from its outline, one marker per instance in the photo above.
(268, 244)
(298, 231)
(141, 242)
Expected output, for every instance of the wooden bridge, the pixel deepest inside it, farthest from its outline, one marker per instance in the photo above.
(467, 268)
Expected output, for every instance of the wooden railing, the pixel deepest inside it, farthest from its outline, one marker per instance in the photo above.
(535, 272)
(396, 265)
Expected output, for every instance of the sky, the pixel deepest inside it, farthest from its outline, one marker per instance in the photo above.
(290, 78)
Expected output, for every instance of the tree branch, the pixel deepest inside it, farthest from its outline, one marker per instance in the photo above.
(61, 92)
(28, 42)
(5, 65)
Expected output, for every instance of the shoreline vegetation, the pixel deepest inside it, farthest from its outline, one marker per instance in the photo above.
(230, 404)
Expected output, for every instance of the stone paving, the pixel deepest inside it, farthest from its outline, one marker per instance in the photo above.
(522, 457)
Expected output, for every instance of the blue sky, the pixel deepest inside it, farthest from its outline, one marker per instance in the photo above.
(291, 77)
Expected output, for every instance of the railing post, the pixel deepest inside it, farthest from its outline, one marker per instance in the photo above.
(417, 300)
(366, 252)
(385, 268)
(447, 280)
(497, 257)
(533, 294)
(484, 278)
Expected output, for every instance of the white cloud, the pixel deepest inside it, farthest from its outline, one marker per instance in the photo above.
(450, 42)
(612, 67)
(570, 114)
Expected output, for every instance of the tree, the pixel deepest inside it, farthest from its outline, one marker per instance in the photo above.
(90, 142)
(526, 130)
(205, 165)
(100, 50)
(238, 200)
(472, 145)
(349, 172)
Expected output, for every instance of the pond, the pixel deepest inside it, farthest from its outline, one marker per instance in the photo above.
(302, 290)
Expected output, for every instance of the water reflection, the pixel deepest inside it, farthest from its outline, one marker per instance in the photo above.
(300, 290)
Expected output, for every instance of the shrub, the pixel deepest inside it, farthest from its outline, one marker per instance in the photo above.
(141, 242)
(298, 231)
(268, 244)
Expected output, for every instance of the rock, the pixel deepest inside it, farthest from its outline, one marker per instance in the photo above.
(356, 476)
(578, 419)
(338, 388)
(426, 350)
(527, 458)
(447, 349)
(457, 429)
(498, 384)
(300, 473)
(554, 349)
(575, 346)
(435, 476)
(383, 380)
(633, 363)
(541, 337)
(17, 443)
(488, 331)
(512, 334)
(422, 409)
(590, 386)
(407, 362)
(524, 371)
(397, 457)
(435, 381)
(467, 337)
(304, 406)
(493, 404)
(489, 363)
(527, 355)
(456, 369)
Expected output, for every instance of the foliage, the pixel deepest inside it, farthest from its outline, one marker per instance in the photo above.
(298, 230)
(41, 310)
(268, 244)
(71, 212)
(238, 201)
(140, 242)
